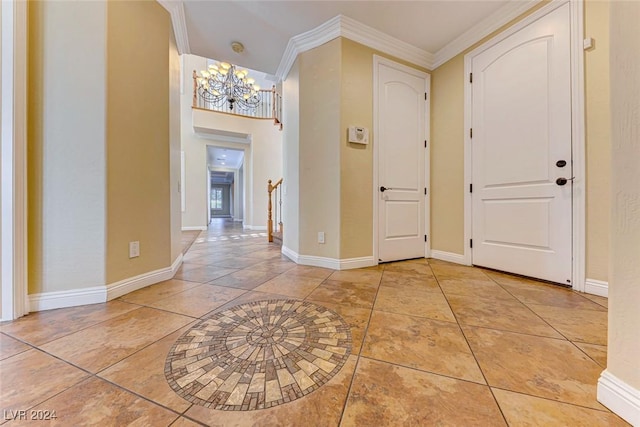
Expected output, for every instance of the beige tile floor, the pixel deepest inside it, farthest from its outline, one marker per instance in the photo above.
(433, 344)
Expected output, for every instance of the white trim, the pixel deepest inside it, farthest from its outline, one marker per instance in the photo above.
(360, 262)
(196, 228)
(101, 294)
(620, 397)
(380, 60)
(13, 152)
(596, 287)
(332, 263)
(343, 26)
(448, 256)
(292, 255)
(183, 182)
(578, 146)
(72, 298)
(427, 168)
(179, 22)
(375, 39)
(501, 17)
(115, 290)
(255, 227)
(578, 141)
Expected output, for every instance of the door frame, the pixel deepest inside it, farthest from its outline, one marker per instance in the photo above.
(577, 131)
(381, 60)
(13, 204)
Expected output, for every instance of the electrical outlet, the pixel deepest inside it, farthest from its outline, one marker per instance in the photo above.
(134, 249)
(320, 236)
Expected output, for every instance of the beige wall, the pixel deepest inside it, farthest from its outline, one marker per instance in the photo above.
(138, 189)
(356, 161)
(98, 142)
(447, 176)
(598, 139)
(447, 157)
(624, 289)
(319, 76)
(66, 145)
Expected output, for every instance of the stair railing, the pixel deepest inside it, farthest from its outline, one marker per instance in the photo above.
(274, 190)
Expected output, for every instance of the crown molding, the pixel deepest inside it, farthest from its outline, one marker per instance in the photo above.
(375, 39)
(343, 26)
(307, 41)
(176, 10)
(501, 17)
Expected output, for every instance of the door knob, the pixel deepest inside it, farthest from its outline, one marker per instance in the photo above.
(383, 189)
(563, 181)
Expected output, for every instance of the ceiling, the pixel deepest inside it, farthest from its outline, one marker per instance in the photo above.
(224, 158)
(207, 28)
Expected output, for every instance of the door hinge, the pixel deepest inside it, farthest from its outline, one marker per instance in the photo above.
(425, 96)
(425, 237)
(470, 188)
(471, 243)
(470, 77)
(425, 143)
(425, 191)
(470, 132)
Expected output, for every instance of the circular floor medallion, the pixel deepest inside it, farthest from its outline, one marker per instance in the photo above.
(258, 355)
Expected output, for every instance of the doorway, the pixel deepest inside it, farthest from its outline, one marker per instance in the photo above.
(520, 151)
(401, 156)
(225, 183)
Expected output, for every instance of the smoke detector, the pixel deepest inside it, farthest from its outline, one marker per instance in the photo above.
(237, 47)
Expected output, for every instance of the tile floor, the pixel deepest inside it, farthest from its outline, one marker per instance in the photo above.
(432, 343)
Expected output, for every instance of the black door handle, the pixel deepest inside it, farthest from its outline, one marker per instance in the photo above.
(383, 189)
(563, 181)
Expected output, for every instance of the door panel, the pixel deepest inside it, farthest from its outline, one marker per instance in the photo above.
(401, 162)
(521, 121)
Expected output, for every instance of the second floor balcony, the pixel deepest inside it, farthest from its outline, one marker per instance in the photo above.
(265, 103)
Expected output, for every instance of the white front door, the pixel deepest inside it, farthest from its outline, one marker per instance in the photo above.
(401, 117)
(521, 151)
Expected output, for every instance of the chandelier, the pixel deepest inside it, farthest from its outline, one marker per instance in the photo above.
(224, 82)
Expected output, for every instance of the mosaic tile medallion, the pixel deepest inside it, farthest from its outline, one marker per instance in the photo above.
(258, 355)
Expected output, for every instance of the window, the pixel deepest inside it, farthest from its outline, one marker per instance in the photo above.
(216, 198)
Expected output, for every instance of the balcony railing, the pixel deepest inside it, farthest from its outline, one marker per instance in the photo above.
(270, 106)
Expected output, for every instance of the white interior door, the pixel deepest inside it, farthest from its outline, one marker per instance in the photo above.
(401, 127)
(521, 135)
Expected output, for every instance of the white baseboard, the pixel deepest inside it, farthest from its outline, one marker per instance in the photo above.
(196, 228)
(255, 227)
(71, 298)
(115, 290)
(448, 256)
(98, 294)
(361, 262)
(324, 262)
(597, 287)
(620, 397)
(293, 256)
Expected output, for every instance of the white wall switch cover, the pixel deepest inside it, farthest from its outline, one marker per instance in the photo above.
(320, 236)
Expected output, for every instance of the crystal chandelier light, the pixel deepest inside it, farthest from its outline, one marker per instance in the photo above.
(224, 82)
